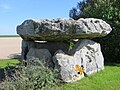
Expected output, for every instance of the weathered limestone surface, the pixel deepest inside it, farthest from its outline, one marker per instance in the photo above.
(90, 55)
(42, 54)
(87, 54)
(51, 46)
(62, 29)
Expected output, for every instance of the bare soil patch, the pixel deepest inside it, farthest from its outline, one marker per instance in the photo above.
(10, 47)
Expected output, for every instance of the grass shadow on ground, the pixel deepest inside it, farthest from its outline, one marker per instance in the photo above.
(112, 64)
(8, 67)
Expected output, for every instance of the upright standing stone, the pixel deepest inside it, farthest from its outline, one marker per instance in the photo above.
(42, 54)
(26, 45)
(51, 46)
(87, 55)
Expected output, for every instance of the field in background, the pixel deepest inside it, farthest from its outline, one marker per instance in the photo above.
(10, 46)
(8, 36)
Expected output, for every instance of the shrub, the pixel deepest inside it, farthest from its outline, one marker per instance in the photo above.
(111, 46)
(33, 76)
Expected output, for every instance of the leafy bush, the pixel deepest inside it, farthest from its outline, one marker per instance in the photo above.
(33, 76)
(111, 46)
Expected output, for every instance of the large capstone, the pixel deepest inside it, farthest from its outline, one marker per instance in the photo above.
(63, 29)
(87, 59)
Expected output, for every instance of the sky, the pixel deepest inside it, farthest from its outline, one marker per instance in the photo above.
(14, 12)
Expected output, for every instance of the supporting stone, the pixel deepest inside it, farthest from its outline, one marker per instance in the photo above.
(51, 46)
(87, 55)
(43, 55)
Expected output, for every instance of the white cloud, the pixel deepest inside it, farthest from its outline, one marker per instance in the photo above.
(5, 8)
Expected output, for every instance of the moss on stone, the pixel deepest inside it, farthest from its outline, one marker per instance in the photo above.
(61, 37)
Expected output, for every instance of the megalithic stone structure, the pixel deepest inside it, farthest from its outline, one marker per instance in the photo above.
(62, 29)
(46, 41)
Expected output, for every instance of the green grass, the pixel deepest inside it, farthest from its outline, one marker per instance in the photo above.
(9, 62)
(108, 79)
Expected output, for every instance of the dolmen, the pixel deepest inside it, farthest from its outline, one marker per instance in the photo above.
(65, 45)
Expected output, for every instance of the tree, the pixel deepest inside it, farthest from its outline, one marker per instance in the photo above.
(109, 11)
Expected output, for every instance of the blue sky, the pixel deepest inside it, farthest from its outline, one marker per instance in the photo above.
(14, 12)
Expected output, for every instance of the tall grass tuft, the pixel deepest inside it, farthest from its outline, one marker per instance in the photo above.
(33, 76)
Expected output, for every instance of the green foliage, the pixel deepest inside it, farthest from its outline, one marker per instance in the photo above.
(33, 76)
(109, 11)
(71, 45)
(111, 46)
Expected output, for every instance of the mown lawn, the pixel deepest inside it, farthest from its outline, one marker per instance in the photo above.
(108, 79)
(9, 62)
